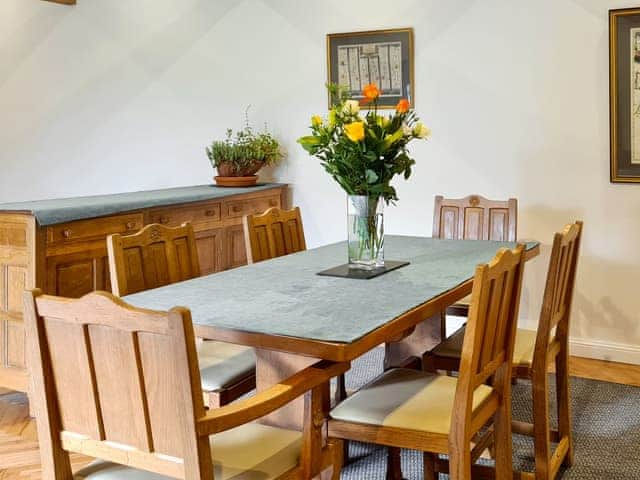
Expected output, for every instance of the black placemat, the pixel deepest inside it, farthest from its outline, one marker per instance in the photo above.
(344, 271)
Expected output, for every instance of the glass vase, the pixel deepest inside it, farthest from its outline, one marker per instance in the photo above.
(365, 223)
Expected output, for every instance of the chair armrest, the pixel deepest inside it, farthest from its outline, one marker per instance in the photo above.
(244, 411)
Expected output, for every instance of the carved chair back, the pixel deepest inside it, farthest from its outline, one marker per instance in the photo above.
(273, 233)
(475, 218)
(490, 332)
(553, 330)
(153, 257)
(115, 382)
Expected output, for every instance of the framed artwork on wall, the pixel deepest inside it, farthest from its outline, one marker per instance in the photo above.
(383, 57)
(624, 91)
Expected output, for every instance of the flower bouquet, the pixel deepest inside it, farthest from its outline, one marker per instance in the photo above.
(363, 153)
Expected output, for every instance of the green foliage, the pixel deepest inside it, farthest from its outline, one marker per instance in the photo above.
(364, 158)
(245, 148)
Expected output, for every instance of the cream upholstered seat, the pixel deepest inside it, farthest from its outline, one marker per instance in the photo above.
(224, 364)
(249, 452)
(406, 399)
(522, 351)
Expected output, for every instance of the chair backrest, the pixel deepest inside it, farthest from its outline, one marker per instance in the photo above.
(273, 233)
(115, 382)
(475, 218)
(490, 332)
(153, 257)
(553, 329)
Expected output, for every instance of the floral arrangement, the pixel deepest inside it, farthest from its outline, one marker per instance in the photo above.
(364, 153)
(245, 153)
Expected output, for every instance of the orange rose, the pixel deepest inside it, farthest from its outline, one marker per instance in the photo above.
(371, 92)
(402, 106)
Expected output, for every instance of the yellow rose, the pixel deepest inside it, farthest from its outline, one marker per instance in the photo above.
(351, 107)
(421, 130)
(354, 131)
(316, 120)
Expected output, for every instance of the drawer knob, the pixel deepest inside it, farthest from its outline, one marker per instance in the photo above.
(130, 225)
(237, 208)
(210, 213)
(164, 220)
(273, 202)
(66, 233)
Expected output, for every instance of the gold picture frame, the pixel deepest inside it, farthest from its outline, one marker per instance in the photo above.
(386, 57)
(624, 95)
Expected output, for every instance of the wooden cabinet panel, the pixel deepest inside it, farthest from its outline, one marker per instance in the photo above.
(15, 357)
(76, 275)
(236, 250)
(211, 253)
(13, 282)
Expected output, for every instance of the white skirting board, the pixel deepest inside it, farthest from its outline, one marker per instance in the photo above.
(614, 352)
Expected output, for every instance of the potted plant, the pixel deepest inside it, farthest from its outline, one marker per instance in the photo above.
(239, 157)
(363, 153)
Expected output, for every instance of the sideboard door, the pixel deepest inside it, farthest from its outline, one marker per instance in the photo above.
(236, 250)
(210, 250)
(77, 274)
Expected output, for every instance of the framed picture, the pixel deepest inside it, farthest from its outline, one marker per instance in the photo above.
(624, 90)
(383, 57)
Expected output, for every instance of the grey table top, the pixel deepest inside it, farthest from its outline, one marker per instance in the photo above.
(285, 296)
(61, 210)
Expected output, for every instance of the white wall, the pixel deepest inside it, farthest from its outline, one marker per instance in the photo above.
(111, 96)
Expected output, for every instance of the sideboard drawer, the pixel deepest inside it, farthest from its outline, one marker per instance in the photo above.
(95, 228)
(240, 208)
(194, 215)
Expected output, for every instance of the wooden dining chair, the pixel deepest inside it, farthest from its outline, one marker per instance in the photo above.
(438, 414)
(534, 352)
(273, 233)
(473, 218)
(157, 256)
(122, 384)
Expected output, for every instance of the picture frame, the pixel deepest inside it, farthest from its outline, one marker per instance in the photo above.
(383, 57)
(624, 92)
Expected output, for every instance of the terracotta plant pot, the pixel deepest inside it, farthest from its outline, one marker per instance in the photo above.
(236, 181)
(230, 170)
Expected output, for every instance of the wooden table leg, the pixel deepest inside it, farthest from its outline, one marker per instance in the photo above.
(272, 367)
(425, 336)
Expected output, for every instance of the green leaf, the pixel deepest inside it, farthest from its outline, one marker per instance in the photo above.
(372, 177)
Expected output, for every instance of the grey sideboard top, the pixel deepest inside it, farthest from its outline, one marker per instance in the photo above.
(62, 210)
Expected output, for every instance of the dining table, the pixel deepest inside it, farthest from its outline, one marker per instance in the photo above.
(294, 317)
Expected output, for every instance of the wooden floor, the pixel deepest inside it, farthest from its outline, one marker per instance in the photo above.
(19, 456)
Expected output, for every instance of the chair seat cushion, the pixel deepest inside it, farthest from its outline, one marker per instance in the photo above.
(406, 399)
(248, 452)
(522, 350)
(224, 364)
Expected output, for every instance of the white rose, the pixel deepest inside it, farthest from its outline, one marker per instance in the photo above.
(351, 107)
(421, 130)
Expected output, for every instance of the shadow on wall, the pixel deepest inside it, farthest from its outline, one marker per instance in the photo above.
(603, 317)
(540, 223)
(605, 306)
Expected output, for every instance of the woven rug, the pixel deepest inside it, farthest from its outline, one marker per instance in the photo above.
(606, 423)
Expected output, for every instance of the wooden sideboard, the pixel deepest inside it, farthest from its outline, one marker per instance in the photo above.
(70, 259)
